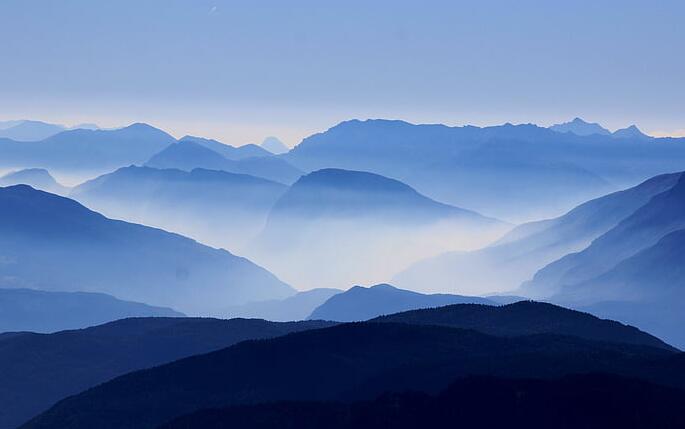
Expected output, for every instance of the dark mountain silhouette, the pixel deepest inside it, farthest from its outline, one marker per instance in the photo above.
(360, 303)
(87, 150)
(215, 207)
(632, 132)
(40, 311)
(26, 131)
(580, 127)
(513, 172)
(571, 402)
(296, 307)
(37, 178)
(505, 264)
(526, 318)
(274, 145)
(663, 214)
(228, 151)
(370, 225)
(346, 362)
(39, 369)
(188, 155)
(54, 243)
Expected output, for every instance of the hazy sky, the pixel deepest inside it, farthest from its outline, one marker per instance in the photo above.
(240, 71)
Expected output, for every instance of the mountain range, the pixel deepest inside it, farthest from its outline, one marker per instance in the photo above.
(188, 155)
(86, 150)
(513, 172)
(369, 225)
(39, 370)
(354, 362)
(53, 243)
(515, 258)
(215, 207)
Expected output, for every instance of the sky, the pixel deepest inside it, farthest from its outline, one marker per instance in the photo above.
(239, 71)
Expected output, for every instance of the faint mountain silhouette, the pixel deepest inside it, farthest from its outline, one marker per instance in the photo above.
(580, 127)
(53, 243)
(360, 303)
(228, 151)
(40, 311)
(505, 264)
(359, 219)
(274, 145)
(189, 155)
(37, 178)
(215, 207)
(296, 307)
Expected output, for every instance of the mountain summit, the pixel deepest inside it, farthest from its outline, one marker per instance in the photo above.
(580, 127)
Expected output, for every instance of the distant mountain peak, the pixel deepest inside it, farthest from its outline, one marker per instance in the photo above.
(631, 132)
(274, 145)
(580, 127)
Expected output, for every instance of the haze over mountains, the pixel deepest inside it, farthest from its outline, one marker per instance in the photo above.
(216, 207)
(291, 232)
(515, 258)
(189, 155)
(53, 243)
(535, 172)
(371, 226)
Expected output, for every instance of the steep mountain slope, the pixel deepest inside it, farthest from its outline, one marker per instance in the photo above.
(526, 318)
(360, 303)
(512, 172)
(53, 243)
(296, 307)
(228, 151)
(645, 290)
(39, 370)
(352, 361)
(87, 150)
(40, 311)
(188, 155)
(570, 402)
(215, 207)
(505, 264)
(37, 178)
(371, 226)
(663, 214)
(581, 128)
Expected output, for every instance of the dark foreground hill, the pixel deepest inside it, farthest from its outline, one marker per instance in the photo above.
(580, 401)
(41, 311)
(53, 243)
(37, 370)
(526, 318)
(346, 362)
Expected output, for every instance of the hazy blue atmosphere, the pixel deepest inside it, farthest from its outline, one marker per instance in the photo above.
(342, 215)
(289, 69)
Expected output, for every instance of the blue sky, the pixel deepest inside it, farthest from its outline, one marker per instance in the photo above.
(240, 71)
